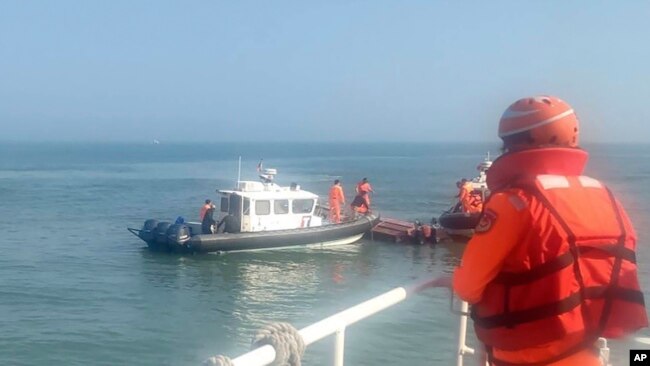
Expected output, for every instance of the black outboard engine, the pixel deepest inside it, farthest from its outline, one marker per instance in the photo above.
(147, 232)
(160, 233)
(178, 234)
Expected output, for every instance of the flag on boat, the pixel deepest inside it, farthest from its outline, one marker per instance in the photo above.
(259, 165)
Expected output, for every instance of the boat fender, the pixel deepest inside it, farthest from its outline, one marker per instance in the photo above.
(306, 220)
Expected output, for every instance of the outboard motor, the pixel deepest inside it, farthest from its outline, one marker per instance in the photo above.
(423, 233)
(160, 233)
(178, 234)
(147, 232)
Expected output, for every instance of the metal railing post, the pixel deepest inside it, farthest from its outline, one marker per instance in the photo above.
(603, 351)
(339, 346)
(462, 348)
(462, 334)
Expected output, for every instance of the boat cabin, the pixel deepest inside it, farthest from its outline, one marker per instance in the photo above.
(480, 183)
(266, 206)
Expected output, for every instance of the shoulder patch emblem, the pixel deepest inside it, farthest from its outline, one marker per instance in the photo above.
(487, 220)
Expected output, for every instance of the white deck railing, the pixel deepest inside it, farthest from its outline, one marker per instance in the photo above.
(337, 324)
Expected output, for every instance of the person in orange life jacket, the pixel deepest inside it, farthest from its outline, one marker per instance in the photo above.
(551, 266)
(363, 189)
(336, 199)
(471, 202)
(204, 208)
(208, 222)
(468, 200)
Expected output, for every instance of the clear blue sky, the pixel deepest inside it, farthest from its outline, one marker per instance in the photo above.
(316, 71)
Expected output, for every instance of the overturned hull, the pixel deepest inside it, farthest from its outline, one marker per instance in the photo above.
(183, 239)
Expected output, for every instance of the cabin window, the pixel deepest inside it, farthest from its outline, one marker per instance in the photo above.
(234, 207)
(281, 207)
(262, 207)
(224, 204)
(302, 206)
(247, 206)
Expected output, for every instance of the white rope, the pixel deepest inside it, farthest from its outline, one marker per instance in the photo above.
(218, 360)
(285, 339)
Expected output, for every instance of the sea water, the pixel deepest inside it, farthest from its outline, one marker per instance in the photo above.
(77, 289)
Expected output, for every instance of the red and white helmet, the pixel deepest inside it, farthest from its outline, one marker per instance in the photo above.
(548, 121)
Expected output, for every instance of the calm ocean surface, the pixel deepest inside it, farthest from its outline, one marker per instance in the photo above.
(77, 289)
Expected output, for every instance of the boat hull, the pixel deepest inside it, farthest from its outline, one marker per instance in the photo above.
(459, 224)
(320, 236)
(459, 220)
(220, 248)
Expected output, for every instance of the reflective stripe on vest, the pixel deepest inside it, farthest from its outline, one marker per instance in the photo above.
(582, 276)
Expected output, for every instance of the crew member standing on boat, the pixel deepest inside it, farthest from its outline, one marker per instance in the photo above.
(363, 190)
(208, 223)
(204, 208)
(470, 201)
(336, 199)
(552, 264)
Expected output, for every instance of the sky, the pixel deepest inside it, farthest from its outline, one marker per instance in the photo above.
(413, 71)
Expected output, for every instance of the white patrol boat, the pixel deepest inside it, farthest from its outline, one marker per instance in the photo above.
(255, 216)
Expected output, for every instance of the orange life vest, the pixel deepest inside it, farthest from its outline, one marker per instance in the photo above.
(203, 210)
(470, 199)
(579, 277)
(475, 201)
(363, 190)
(363, 187)
(336, 194)
(336, 198)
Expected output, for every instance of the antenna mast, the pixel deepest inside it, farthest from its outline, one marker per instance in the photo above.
(239, 171)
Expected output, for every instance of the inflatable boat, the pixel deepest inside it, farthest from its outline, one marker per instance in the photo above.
(457, 223)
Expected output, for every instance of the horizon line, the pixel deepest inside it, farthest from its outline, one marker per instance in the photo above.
(162, 142)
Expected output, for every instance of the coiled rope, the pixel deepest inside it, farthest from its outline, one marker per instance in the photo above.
(218, 360)
(283, 337)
